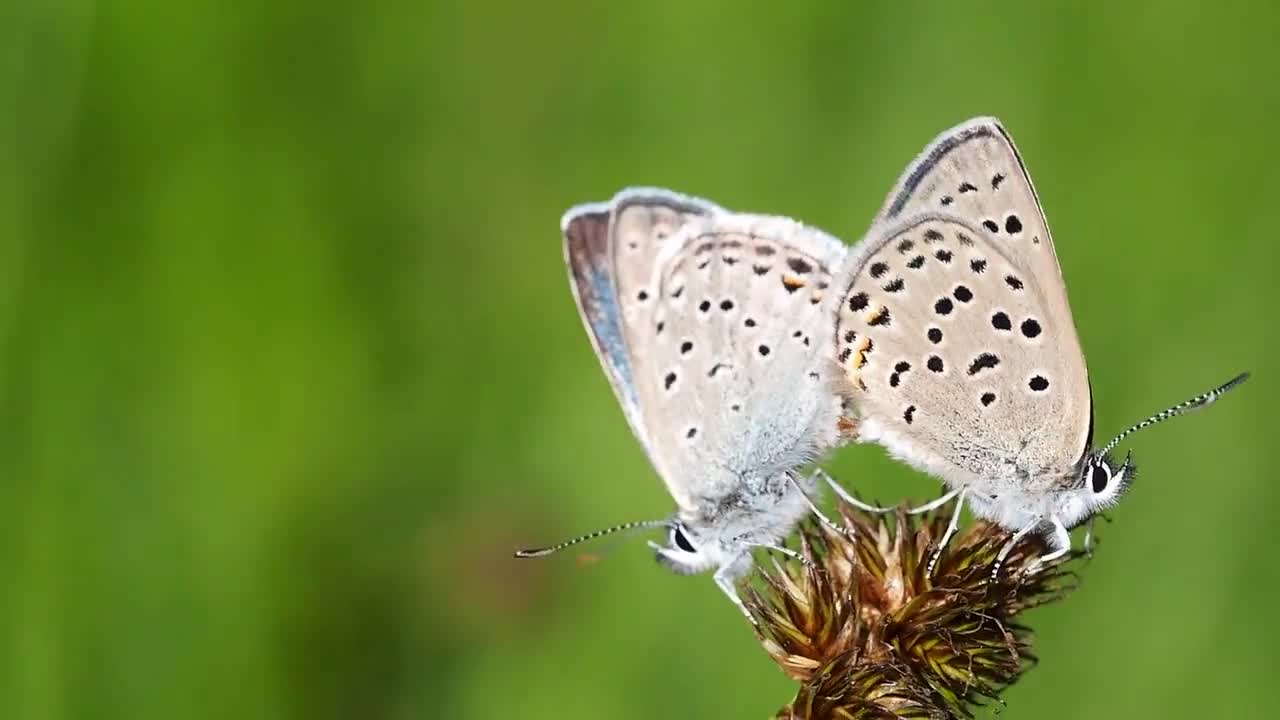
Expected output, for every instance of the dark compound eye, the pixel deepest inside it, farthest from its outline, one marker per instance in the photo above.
(1099, 477)
(681, 541)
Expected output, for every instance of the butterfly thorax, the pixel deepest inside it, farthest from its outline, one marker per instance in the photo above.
(1091, 485)
(1013, 507)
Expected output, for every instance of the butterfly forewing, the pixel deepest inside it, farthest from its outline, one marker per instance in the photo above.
(954, 357)
(612, 250)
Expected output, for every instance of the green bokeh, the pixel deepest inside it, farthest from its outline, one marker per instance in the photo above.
(288, 360)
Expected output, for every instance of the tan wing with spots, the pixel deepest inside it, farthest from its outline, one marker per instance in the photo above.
(974, 172)
(612, 251)
(736, 383)
(951, 358)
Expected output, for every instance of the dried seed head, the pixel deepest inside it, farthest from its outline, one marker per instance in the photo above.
(870, 635)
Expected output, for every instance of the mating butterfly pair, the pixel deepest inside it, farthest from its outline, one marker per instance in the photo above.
(740, 345)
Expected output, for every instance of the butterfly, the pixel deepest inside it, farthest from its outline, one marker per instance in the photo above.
(959, 351)
(711, 326)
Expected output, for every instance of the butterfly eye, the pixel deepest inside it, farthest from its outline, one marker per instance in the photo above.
(680, 541)
(1100, 476)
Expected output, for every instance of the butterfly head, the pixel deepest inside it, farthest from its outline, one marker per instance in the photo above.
(1097, 483)
(690, 549)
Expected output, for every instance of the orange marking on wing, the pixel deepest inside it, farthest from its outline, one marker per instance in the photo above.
(847, 426)
(860, 353)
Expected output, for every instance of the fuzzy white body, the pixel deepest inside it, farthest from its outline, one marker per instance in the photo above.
(1013, 500)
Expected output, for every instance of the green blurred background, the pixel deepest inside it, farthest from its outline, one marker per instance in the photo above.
(289, 363)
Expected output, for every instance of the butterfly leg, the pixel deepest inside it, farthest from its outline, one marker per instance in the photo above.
(814, 508)
(724, 577)
(1009, 546)
(787, 552)
(951, 526)
(848, 497)
(933, 504)
(1088, 533)
(1061, 542)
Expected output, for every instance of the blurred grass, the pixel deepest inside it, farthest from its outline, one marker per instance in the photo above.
(288, 361)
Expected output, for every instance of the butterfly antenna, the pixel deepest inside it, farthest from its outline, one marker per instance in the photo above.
(543, 552)
(1181, 408)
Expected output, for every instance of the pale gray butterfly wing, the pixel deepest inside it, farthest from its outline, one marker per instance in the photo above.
(733, 375)
(952, 358)
(707, 323)
(611, 250)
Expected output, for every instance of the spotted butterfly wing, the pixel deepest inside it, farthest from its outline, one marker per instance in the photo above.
(611, 250)
(974, 172)
(955, 332)
(720, 340)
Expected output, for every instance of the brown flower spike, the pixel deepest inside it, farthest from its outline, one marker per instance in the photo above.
(869, 635)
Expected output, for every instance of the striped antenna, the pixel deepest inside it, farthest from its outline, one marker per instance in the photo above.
(543, 552)
(1194, 403)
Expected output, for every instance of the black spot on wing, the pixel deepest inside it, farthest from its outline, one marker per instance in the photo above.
(799, 265)
(985, 361)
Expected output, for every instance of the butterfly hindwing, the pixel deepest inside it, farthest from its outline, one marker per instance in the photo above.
(709, 325)
(952, 359)
(736, 387)
(973, 172)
